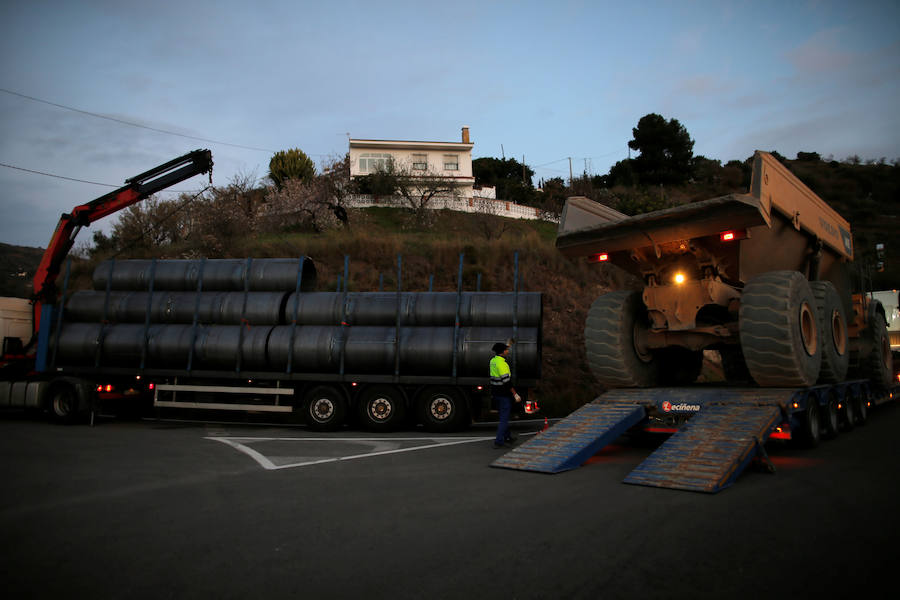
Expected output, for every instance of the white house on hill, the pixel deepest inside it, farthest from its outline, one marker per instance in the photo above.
(447, 160)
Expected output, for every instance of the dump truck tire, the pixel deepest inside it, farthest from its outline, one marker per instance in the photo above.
(609, 339)
(878, 365)
(833, 332)
(780, 331)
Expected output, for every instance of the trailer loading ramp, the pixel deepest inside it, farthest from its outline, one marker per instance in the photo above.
(706, 454)
(570, 442)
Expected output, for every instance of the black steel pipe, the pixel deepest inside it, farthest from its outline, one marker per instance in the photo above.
(215, 347)
(416, 309)
(221, 308)
(266, 274)
(316, 349)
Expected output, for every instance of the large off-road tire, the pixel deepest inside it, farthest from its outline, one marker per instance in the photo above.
(326, 408)
(610, 332)
(833, 333)
(382, 408)
(780, 331)
(878, 365)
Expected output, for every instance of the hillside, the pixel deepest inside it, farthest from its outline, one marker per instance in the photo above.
(17, 267)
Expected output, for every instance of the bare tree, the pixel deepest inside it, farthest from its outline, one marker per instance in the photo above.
(418, 188)
(491, 228)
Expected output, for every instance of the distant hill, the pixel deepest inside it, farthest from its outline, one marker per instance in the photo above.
(17, 267)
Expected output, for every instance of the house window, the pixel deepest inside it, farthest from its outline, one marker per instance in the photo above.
(419, 162)
(451, 162)
(370, 162)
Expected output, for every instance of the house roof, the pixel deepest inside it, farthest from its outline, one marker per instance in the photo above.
(409, 145)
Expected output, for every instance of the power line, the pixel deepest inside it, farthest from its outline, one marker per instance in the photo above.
(123, 122)
(56, 176)
(110, 185)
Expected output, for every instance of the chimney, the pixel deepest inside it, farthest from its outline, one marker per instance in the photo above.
(465, 134)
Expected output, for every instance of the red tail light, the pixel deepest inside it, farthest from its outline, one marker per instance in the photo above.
(602, 257)
(731, 236)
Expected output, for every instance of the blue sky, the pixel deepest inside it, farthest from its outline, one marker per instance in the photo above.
(543, 80)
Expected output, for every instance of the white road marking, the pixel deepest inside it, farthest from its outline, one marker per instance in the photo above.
(240, 444)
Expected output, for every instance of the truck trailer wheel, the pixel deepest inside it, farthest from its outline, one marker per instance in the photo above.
(442, 409)
(809, 433)
(326, 408)
(613, 324)
(780, 330)
(382, 408)
(63, 402)
(833, 332)
(831, 418)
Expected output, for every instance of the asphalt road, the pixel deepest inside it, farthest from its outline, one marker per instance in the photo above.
(172, 510)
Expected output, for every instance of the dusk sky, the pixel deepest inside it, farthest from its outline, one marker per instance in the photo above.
(543, 80)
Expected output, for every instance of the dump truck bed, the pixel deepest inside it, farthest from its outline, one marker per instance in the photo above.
(774, 190)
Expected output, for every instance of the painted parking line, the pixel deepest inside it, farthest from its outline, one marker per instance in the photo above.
(380, 447)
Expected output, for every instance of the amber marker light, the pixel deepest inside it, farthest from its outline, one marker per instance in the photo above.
(680, 278)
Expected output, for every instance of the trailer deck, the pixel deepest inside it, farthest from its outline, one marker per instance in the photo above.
(727, 429)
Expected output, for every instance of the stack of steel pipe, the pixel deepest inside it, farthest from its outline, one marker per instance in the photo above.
(212, 316)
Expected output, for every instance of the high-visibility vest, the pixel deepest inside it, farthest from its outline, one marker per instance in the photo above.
(500, 375)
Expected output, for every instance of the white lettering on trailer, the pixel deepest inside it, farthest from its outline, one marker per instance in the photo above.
(683, 407)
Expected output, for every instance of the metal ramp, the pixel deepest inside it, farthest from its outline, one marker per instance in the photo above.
(711, 449)
(569, 443)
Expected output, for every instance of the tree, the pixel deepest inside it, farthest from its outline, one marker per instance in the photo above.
(511, 178)
(290, 164)
(417, 189)
(665, 150)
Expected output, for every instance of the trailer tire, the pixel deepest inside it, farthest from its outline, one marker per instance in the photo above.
(878, 365)
(847, 412)
(63, 401)
(810, 432)
(382, 408)
(779, 330)
(831, 418)
(860, 401)
(326, 408)
(442, 409)
(833, 332)
(610, 332)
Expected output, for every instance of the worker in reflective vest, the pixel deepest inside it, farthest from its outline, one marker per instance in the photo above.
(502, 393)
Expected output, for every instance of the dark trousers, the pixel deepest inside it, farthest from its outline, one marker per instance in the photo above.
(504, 406)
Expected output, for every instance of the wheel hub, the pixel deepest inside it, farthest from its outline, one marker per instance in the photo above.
(808, 329)
(381, 409)
(323, 408)
(440, 408)
(838, 333)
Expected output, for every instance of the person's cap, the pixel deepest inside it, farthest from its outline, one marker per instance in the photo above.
(499, 347)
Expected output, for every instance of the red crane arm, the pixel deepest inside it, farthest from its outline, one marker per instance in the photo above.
(135, 189)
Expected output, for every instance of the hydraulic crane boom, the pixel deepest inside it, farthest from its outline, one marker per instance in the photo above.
(135, 189)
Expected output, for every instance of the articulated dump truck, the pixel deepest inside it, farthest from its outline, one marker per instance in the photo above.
(764, 278)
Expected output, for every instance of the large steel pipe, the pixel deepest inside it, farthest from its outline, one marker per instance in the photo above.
(266, 274)
(418, 309)
(223, 308)
(423, 350)
(215, 347)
